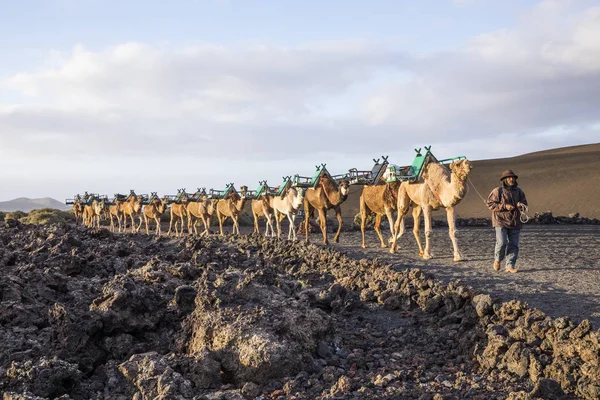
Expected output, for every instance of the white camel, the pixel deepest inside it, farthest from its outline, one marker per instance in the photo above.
(288, 205)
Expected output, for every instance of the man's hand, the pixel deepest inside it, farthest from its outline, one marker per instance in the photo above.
(509, 207)
(520, 205)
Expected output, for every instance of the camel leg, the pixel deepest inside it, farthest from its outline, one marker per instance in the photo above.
(256, 230)
(206, 222)
(140, 224)
(146, 222)
(157, 230)
(307, 216)
(338, 214)
(170, 223)
(278, 221)
(403, 207)
(220, 218)
(452, 232)
(293, 225)
(416, 222)
(363, 220)
(236, 226)
(269, 224)
(378, 229)
(390, 218)
(323, 224)
(428, 232)
(291, 234)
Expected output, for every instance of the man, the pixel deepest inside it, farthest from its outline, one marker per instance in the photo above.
(506, 202)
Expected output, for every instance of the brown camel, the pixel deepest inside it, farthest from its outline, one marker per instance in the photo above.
(201, 210)
(88, 215)
(116, 211)
(231, 206)
(326, 196)
(381, 200)
(78, 210)
(179, 211)
(154, 210)
(262, 207)
(440, 187)
(131, 208)
(93, 212)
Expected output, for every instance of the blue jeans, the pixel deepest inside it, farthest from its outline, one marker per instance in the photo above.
(507, 245)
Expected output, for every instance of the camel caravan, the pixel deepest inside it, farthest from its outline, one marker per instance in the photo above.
(388, 190)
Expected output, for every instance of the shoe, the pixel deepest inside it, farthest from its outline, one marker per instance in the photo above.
(510, 269)
(496, 265)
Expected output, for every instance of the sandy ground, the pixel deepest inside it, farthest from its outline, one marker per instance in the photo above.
(559, 266)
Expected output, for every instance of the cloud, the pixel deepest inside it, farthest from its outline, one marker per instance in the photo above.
(349, 100)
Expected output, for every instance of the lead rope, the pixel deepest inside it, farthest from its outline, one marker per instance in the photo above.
(477, 191)
(523, 213)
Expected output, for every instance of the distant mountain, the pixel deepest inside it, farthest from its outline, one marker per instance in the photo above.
(25, 204)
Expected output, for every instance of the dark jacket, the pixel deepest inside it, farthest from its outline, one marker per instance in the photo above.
(497, 201)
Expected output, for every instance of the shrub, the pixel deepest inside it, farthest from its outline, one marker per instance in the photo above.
(15, 215)
(45, 216)
(358, 220)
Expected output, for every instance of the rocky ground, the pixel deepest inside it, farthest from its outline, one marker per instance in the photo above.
(87, 314)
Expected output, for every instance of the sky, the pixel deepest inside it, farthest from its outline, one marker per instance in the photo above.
(106, 96)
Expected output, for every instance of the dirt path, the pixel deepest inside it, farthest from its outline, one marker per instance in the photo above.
(559, 266)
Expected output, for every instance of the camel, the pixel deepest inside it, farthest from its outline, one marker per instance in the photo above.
(201, 210)
(288, 205)
(154, 210)
(179, 211)
(326, 196)
(78, 210)
(262, 207)
(116, 211)
(131, 208)
(381, 200)
(88, 215)
(231, 206)
(440, 187)
(92, 213)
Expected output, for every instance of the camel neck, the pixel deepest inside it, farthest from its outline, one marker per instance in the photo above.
(334, 195)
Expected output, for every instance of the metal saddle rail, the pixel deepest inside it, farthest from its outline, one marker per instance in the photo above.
(170, 198)
(282, 189)
(414, 172)
(371, 177)
(222, 194)
(200, 193)
(263, 189)
(447, 161)
(175, 198)
(306, 182)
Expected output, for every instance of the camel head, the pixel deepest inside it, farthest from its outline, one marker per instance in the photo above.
(160, 205)
(244, 191)
(461, 169)
(344, 187)
(212, 205)
(137, 203)
(297, 196)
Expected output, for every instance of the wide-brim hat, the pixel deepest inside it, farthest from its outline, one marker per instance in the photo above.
(507, 174)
